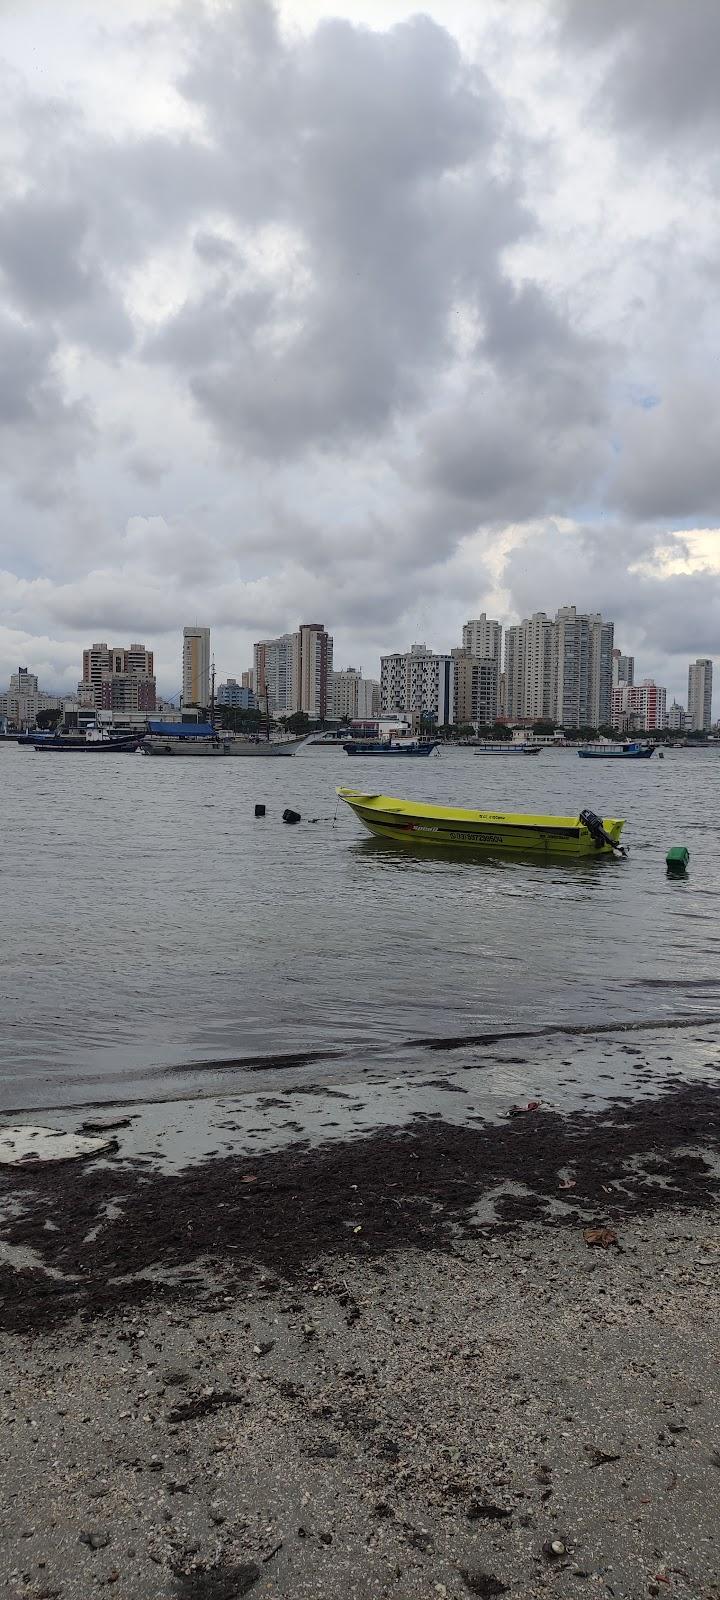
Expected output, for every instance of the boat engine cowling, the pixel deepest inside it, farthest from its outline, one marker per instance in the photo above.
(599, 833)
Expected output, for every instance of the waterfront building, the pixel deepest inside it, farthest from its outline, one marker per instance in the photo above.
(295, 671)
(559, 671)
(368, 698)
(196, 667)
(24, 699)
(482, 639)
(583, 664)
(676, 717)
(118, 678)
(346, 683)
(236, 695)
(700, 695)
(513, 696)
(274, 674)
(639, 707)
(314, 671)
(247, 680)
(418, 681)
(623, 669)
(476, 687)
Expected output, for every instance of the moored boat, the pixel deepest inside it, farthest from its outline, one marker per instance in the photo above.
(508, 748)
(630, 751)
(390, 747)
(89, 746)
(199, 739)
(411, 822)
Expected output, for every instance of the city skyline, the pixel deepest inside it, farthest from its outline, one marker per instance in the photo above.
(530, 425)
(564, 670)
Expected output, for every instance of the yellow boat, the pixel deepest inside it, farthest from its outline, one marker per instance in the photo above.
(407, 822)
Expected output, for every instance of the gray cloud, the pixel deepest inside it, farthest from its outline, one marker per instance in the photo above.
(315, 339)
(664, 60)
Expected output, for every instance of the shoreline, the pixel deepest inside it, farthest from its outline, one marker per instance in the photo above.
(388, 1365)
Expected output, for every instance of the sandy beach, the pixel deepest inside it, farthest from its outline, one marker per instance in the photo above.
(444, 1360)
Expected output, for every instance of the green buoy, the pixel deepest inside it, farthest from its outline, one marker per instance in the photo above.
(677, 859)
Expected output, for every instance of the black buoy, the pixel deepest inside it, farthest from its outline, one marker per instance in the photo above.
(291, 816)
(259, 811)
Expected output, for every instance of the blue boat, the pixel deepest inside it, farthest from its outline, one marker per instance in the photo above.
(617, 752)
(390, 747)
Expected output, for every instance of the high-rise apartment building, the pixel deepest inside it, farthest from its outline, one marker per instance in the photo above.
(296, 672)
(700, 695)
(314, 670)
(676, 717)
(623, 669)
(196, 667)
(559, 671)
(418, 681)
(476, 687)
(583, 651)
(368, 699)
(119, 678)
(482, 639)
(247, 679)
(346, 683)
(513, 698)
(274, 674)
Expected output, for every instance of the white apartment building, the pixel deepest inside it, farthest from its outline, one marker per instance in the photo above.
(196, 667)
(418, 680)
(275, 674)
(296, 672)
(700, 695)
(559, 670)
(639, 707)
(368, 699)
(355, 697)
(483, 637)
(24, 699)
(676, 717)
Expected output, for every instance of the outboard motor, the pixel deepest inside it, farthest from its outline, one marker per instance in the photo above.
(600, 834)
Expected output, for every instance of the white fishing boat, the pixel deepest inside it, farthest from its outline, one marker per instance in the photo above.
(198, 739)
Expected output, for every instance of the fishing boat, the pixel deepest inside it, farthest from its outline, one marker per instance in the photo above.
(506, 747)
(410, 822)
(200, 739)
(630, 751)
(94, 743)
(390, 747)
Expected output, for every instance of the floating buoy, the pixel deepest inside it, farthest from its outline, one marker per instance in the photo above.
(259, 811)
(291, 816)
(677, 859)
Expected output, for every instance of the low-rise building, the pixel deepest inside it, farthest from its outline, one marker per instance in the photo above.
(639, 707)
(236, 695)
(24, 699)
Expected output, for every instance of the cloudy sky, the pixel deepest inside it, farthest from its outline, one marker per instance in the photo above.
(357, 313)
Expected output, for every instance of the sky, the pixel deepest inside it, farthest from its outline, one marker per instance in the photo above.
(358, 313)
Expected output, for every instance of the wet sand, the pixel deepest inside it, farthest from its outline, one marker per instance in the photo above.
(386, 1364)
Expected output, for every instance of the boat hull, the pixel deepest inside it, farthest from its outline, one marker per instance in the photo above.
(220, 747)
(642, 754)
(405, 822)
(96, 747)
(352, 749)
